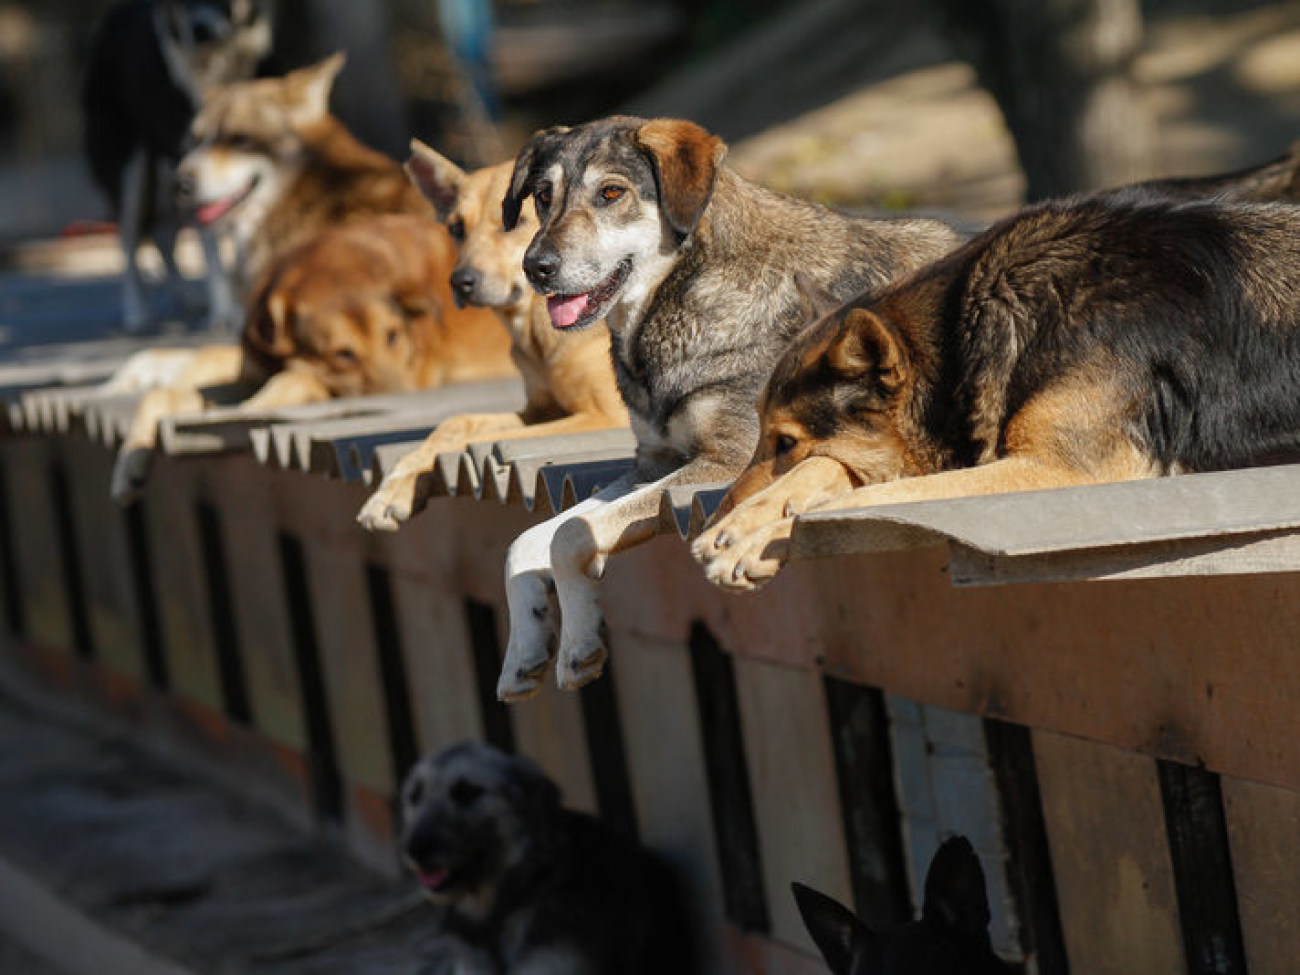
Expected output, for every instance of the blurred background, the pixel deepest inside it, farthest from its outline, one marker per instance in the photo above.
(965, 106)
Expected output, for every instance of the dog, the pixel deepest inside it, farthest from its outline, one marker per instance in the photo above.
(521, 885)
(150, 65)
(1121, 336)
(364, 308)
(692, 268)
(950, 938)
(568, 377)
(271, 168)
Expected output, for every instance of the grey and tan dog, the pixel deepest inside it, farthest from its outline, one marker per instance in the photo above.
(522, 886)
(693, 269)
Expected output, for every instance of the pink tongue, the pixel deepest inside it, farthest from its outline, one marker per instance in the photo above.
(435, 879)
(213, 211)
(566, 309)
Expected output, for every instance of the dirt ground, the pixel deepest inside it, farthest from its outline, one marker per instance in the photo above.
(903, 124)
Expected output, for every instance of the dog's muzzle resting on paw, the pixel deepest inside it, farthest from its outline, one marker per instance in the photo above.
(520, 884)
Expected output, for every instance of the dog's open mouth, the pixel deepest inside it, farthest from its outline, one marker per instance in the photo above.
(206, 213)
(578, 311)
(436, 879)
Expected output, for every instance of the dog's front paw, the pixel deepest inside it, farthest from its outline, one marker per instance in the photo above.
(524, 671)
(581, 660)
(750, 516)
(392, 504)
(130, 472)
(751, 561)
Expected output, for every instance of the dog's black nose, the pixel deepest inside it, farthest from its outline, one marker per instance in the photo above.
(541, 266)
(464, 280)
(185, 188)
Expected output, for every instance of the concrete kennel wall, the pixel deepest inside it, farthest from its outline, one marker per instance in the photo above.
(1121, 753)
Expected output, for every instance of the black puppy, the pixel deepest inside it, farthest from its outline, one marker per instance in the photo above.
(951, 938)
(522, 885)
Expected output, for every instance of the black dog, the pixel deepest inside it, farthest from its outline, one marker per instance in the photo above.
(522, 885)
(951, 938)
(150, 64)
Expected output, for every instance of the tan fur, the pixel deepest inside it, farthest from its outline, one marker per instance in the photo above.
(365, 308)
(568, 378)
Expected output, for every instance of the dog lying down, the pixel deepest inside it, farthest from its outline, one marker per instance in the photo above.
(692, 268)
(951, 937)
(364, 308)
(1109, 338)
(568, 377)
(521, 885)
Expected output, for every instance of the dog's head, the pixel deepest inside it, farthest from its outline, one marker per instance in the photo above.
(206, 43)
(951, 938)
(248, 142)
(355, 307)
(616, 199)
(489, 271)
(843, 389)
(473, 818)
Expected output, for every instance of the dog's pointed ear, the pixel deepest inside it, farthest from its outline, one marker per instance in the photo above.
(814, 300)
(310, 89)
(436, 176)
(955, 895)
(686, 159)
(836, 930)
(530, 157)
(865, 345)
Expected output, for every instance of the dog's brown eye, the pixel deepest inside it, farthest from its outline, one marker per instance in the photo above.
(611, 193)
(543, 197)
(456, 229)
(345, 355)
(463, 792)
(784, 444)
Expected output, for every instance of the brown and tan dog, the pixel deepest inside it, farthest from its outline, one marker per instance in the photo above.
(568, 377)
(1123, 336)
(366, 307)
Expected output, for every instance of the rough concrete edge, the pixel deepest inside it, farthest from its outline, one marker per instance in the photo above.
(60, 934)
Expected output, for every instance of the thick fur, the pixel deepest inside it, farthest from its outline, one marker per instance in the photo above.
(522, 886)
(364, 308)
(950, 938)
(273, 168)
(693, 269)
(1116, 337)
(568, 376)
(150, 64)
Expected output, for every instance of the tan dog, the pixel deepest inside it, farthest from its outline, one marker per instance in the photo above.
(567, 376)
(364, 308)
(271, 168)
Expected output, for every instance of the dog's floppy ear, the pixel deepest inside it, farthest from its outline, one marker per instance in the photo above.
(311, 87)
(865, 345)
(686, 158)
(955, 895)
(814, 300)
(436, 176)
(526, 164)
(836, 930)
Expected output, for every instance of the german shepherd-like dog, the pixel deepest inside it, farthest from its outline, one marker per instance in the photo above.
(568, 377)
(522, 886)
(692, 267)
(1120, 336)
(272, 168)
(366, 307)
(950, 938)
(150, 65)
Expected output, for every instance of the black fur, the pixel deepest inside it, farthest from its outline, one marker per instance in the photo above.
(562, 884)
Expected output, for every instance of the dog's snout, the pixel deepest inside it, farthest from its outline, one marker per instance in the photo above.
(541, 265)
(464, 280)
